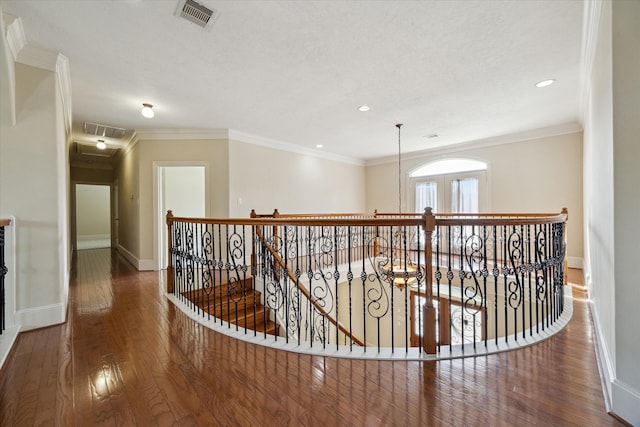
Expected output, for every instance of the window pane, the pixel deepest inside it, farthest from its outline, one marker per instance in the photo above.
(464, 195)
(426, 196)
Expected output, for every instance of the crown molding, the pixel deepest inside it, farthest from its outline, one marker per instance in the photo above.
(292, 148)
(528, 135)
(24, 53)
(14, 31)
(184, 134)
(64, 84)
(590, 27)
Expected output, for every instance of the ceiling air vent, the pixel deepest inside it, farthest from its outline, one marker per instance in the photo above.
(103, 130)
(196, 13)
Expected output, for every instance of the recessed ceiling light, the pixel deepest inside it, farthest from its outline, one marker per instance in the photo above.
(364, 108)
(545, 83)
(147, 111)
(101, 145)
(319, 146)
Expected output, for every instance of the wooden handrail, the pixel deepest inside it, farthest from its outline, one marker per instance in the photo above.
(4, 222)
(500, 218)
(306, 292)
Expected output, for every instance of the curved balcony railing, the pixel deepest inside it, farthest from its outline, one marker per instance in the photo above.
(389, 285)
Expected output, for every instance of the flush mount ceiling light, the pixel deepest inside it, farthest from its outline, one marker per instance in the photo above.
(364, 108)
(147, 111)
(545, 83)
(319, 146)
(101, 145)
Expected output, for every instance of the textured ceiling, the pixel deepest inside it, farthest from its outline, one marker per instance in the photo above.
(297, 71)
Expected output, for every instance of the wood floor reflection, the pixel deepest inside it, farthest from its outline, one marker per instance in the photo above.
(126, 356)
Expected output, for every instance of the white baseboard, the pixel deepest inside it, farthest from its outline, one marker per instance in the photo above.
(625, 402)
(85, 237)
(7, 339)
(575, 262)
(619, 398)
(40, 317)
(140, 264)
(146, 265)
(605, 365)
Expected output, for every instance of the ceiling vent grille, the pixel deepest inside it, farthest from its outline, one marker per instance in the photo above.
(103, 130)
(196, 13)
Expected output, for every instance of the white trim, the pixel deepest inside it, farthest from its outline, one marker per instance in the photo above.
(146, 265)
(64, 84)
(39, 58)
(590, 26)
(529, 135)
(39, 317)
(157, 200)
(16, 38)
(239, 136)
(575, 262)
(12, 44)
(139, 264)
(293, 148)
(182, 134)
(85, 237)
(625, 402)
(605, 364)
(128, 255)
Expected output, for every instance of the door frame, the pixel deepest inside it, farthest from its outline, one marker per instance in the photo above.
(159, 216)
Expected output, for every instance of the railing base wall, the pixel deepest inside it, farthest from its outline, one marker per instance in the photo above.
(7, 340)
(413, 353)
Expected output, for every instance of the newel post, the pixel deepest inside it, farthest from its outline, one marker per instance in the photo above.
(429, 310)
(169, 258)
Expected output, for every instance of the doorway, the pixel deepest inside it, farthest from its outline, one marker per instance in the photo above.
(93, 216)
(182, 190)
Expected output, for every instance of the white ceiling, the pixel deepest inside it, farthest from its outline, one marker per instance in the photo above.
(297, 71)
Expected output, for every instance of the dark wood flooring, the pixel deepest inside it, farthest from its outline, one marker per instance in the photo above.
(127, 357)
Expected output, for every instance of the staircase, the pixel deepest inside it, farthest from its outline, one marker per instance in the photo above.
(238, 304)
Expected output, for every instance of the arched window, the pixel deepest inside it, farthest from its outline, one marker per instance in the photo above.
(449, 166)
(450, 185)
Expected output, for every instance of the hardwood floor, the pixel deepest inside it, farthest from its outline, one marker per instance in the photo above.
(127, 357)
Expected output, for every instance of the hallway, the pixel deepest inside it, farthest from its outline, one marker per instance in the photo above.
(126, 356)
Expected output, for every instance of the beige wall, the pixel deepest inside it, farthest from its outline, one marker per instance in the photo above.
(264, 179)
(93, 212)
(127, 176)
(135, 172)
(92, 176)
(541, 175)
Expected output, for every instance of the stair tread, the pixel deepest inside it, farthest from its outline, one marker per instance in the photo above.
(232, 307)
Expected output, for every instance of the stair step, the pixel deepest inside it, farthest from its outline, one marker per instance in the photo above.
(236, 308)
(241, 316)
(224, 301)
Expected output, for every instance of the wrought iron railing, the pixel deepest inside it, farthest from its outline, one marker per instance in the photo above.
(3, 273)
(374, 282)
